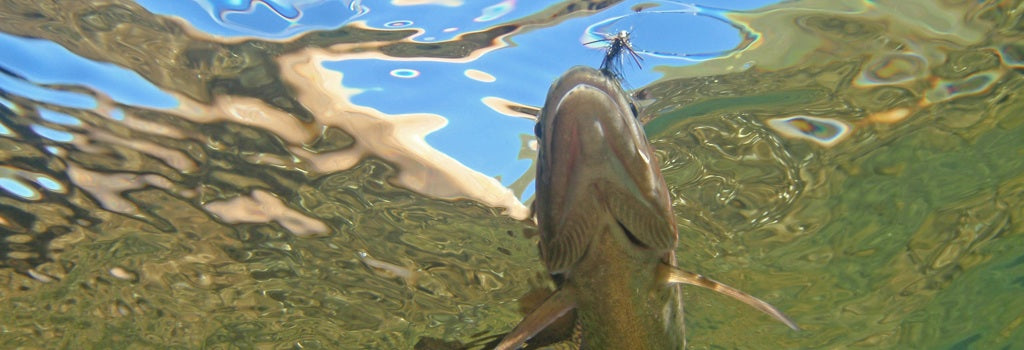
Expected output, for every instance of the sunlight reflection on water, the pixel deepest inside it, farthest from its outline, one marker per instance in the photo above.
(349, 174)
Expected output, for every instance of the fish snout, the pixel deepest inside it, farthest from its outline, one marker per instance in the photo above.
(590, 124)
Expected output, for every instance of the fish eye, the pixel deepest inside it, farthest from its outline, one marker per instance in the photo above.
(537, 130)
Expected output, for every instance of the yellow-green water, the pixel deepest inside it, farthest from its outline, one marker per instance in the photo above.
(907, 232)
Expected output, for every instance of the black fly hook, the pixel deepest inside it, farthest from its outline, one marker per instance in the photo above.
(612, 63)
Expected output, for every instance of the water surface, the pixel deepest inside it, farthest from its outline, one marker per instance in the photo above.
(346, 174)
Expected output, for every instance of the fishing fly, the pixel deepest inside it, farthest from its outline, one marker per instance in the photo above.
(617, 43)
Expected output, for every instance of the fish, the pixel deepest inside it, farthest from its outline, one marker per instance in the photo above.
(607, 231)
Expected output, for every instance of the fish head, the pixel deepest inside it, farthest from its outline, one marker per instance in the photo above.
(595, 165)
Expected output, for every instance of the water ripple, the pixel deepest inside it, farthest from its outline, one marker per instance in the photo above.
(343, 174)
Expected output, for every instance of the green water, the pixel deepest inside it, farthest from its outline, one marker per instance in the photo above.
(908, 233)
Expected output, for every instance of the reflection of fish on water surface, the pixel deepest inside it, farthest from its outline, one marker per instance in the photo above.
(607, 230)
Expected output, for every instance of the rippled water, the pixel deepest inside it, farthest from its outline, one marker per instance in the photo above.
(346, 174)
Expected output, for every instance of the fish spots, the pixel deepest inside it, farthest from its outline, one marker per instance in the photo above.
(824, 132)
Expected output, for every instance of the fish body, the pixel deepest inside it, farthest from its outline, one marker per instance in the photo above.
(604, 215)
(607, 231)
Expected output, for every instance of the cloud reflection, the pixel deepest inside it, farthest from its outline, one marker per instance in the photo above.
(398, 139)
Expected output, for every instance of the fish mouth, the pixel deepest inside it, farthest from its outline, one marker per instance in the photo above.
(594, 161)
(588, 121)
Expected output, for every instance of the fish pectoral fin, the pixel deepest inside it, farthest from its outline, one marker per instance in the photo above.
(550, 310)
(675, 275)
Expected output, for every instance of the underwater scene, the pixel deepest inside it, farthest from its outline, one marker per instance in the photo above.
(346, 174)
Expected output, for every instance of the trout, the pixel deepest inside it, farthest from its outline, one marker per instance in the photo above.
(607, 232)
